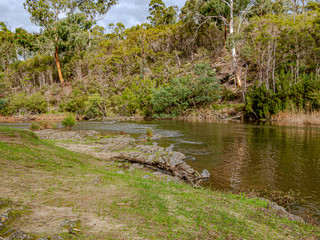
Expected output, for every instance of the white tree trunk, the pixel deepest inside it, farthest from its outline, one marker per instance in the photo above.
(233, 47)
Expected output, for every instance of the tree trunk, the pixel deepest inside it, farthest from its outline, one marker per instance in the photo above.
(233, 48)
(225, 35)
(59, 67)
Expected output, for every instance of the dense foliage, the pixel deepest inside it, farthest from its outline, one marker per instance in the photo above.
(186, 92)
(164, 66)
(302, 96)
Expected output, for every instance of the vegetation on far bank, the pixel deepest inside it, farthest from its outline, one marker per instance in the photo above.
(169, 66)
(110, 202)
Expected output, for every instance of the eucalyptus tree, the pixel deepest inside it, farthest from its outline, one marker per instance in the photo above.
(59, 18)
(221, 13)
(160, 14)
(226, 11)
(7, 45)
(95, 10)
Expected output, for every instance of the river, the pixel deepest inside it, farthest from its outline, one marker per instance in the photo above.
(239, 155)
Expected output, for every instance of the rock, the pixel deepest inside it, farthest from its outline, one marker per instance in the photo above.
(151, 158)
(205, 174)
(281, 211)
(176, 179)
(191, 158)
(177, 158)
(131, 169)
(5, 217)
(135, 166)
(57, 237)
(170, 149)
(17, 234)
(70, 223)
(156, 137)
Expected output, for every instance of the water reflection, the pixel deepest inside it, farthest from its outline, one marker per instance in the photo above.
(255, 156)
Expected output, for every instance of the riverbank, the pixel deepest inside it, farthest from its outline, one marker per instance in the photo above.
(232, 112)
(49, 191)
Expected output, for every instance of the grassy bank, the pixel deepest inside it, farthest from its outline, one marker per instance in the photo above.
(48, 187)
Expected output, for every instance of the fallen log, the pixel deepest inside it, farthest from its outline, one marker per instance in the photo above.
(181, 170)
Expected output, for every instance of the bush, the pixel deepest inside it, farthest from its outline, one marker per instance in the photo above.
(136, 98)
(43, 125)
(302, 95)
(69, 122)
(149, 132)
(75, 103)
(36, 104)
(186, 92)
(35, 127)
(94, 106)
(22, 103)
(3, 106)
(17, 103)
(82, 103)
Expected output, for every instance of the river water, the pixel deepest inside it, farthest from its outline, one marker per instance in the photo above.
(240, 155)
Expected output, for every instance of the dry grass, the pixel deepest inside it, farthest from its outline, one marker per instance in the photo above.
(57, 117)
(298, 117)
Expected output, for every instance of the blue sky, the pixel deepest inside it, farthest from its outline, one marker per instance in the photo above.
(129, 12)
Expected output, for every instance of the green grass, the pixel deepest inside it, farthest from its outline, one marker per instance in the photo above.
(147, 208)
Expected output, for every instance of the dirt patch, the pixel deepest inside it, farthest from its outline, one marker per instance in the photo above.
(46, 219)
(50, 219)
(51, 199)
(14, 138)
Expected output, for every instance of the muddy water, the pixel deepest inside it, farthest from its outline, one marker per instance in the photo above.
(241, 156)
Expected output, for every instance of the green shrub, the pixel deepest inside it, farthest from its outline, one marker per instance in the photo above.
(130, 101)
(22, 103)
(136, 97)
(35, 127)
(69, 122)
(190, 91)
(94, 106)
(3, 106)
(75, 103)
(149, 132)
(228, 95)
(36, 104)
(17, 103)
(82, 103)
(304, 95)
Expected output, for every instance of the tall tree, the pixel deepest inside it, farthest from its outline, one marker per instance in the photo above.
(7, 45)
(226, 11)
(52, 14)
(160, 14)
(95, 10)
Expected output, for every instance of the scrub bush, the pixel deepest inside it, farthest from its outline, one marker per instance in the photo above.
(197, 90)
(69, 122)
(23, 104)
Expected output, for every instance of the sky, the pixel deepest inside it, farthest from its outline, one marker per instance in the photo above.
(128, 12)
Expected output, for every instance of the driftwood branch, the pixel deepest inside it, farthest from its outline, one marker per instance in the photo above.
(192, 177)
